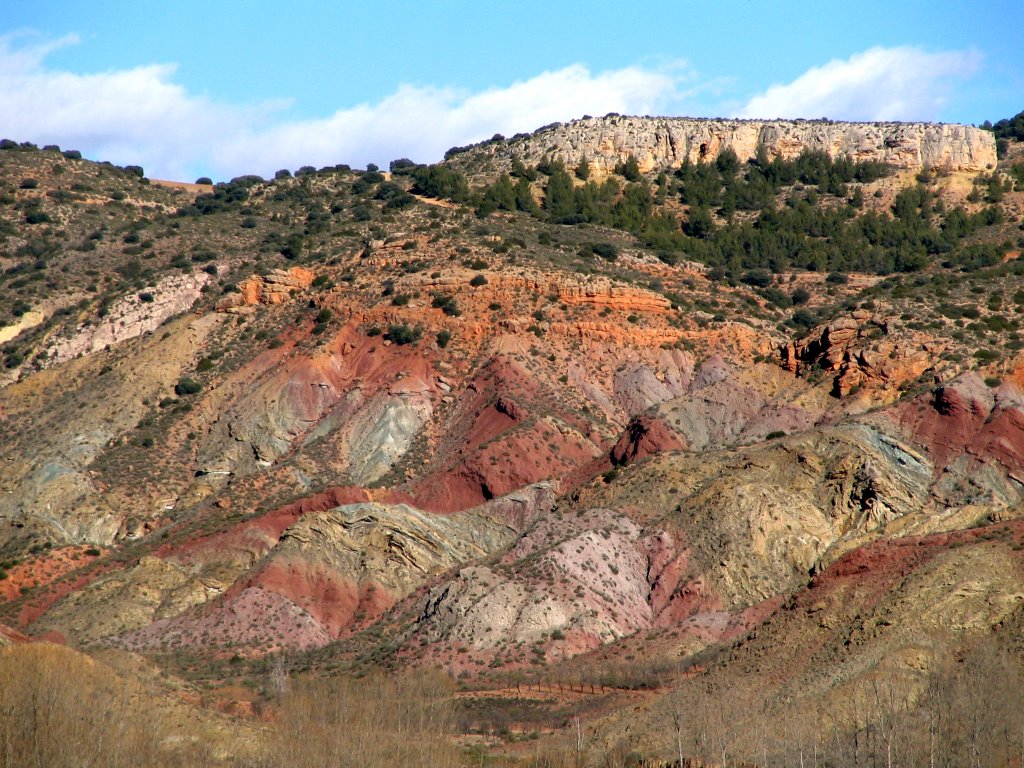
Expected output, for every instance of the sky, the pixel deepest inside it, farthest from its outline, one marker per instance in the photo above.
(220, 88)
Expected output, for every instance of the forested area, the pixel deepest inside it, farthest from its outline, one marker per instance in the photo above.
(808, 213)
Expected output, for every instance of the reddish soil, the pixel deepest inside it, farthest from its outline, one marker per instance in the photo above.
(964, 417)
(42, 569)
(336, 603)
(507, 432)
(645, 436)
(40, 603)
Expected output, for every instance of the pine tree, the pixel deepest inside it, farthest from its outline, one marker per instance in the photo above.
(583, 169)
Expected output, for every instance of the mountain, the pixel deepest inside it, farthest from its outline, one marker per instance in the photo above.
(654, 434)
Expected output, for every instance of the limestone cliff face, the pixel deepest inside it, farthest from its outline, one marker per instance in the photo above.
(660, 143)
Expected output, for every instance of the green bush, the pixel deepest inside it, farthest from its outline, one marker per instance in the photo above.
(446, 304)
(401, 334)
(800, 296)
(187, 386)
(36, 216)
(606, 251)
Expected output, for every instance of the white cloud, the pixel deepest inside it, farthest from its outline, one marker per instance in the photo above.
(421, 123)
(903, 83)
(142, 116)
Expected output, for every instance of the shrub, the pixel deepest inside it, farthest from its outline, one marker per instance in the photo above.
(204, 180)
(443, 337)
(323, 282)
(478, 280)
(146, 297)
(446, 304)
(292, 249)
(402, 334)
(606, 251)
(759, 278)
(28, 184)
(187, 386)
(438, 181)
(800, 296)
(36, 216)
(402, 165)
(804, 318)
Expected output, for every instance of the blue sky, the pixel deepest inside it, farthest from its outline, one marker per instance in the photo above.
(220, 87)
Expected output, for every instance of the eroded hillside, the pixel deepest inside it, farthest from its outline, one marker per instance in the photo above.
(594, 404)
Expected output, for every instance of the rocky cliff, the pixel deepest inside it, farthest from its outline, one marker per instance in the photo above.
(660, 143)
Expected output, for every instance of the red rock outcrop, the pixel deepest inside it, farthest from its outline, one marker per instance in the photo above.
(273, 288)
(862, 350)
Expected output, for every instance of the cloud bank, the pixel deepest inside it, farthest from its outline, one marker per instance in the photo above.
(903, 83)
(141, 116)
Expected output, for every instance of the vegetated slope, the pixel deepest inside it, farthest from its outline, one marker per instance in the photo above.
(567, 411)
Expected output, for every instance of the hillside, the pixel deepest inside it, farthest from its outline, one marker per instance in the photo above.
(636, 410)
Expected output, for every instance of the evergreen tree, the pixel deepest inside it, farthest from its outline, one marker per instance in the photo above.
(583, 169)
(559, 195)
(629, 169)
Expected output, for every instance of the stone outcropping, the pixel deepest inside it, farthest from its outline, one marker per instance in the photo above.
(276, 287)
(661, 143)
(131, 316)
(862, 350)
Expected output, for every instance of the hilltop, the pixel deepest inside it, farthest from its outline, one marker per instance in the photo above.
(664, 143)
(649, 405)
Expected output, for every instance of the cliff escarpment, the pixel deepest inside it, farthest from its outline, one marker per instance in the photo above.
(661, 143)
